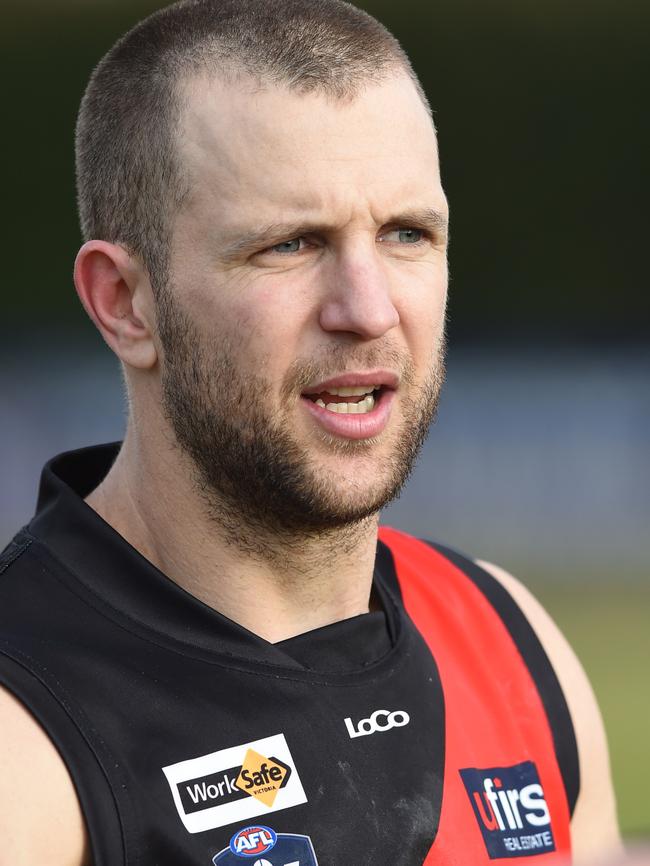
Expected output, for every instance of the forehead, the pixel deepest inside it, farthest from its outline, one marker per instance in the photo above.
(263, 153)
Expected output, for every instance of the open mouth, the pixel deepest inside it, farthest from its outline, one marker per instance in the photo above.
(353, 405)
(350, 400)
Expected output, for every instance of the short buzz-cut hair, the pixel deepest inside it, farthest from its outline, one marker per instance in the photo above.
(130, 183)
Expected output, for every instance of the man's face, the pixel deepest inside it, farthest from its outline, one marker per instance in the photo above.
(302, 329)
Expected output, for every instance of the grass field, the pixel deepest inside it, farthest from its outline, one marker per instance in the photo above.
(609, 628)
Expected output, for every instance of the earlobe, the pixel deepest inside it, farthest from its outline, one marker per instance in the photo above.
(113, 289)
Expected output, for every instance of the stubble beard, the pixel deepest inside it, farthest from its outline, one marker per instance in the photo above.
(255, 479)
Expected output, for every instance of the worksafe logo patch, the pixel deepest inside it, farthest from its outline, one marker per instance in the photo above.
(235, 784)
(511, 810)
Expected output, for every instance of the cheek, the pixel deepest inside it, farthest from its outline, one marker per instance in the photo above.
(261, 317)
(267, 328)
(422, 312)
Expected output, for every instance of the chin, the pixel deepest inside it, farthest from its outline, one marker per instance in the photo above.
(360, 504)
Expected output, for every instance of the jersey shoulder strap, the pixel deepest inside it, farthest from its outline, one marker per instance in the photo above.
(528, 645)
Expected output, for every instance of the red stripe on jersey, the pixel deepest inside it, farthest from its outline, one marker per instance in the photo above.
(493, 711)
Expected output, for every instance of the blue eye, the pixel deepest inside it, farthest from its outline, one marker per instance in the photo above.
(410, 236)
(405, 236)
(292, 246)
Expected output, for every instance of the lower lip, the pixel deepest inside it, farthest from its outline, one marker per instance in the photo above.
(354, 426)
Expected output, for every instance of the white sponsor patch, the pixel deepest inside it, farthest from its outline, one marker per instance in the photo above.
(380, 720)
(235, 784)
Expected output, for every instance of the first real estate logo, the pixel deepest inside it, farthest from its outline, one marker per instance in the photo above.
(510, 809)
(235, 784)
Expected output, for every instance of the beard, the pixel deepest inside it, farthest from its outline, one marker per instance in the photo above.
(252, 473)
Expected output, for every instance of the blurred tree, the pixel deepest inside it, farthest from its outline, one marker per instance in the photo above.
(543, 139)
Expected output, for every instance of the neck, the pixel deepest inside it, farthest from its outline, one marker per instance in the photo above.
(275, 586)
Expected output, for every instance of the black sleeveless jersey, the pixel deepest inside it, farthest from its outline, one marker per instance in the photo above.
(192, 741)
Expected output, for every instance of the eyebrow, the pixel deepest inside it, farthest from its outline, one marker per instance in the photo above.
(428, 218)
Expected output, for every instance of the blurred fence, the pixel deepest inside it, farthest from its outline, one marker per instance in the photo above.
(539, 461)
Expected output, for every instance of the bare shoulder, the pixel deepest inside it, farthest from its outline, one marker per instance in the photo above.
(594, 827)
(40, 816)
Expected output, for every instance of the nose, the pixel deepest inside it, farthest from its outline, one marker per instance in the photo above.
(358, 298)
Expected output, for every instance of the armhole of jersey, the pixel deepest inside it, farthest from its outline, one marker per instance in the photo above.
(537, 662)
(93, 789)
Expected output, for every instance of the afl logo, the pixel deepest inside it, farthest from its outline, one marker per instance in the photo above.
(380, 720)
(253, 841)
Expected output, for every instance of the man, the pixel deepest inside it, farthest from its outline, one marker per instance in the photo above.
(207, 656)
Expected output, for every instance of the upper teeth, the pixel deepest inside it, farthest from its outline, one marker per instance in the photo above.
(352, 392)
(360, 408)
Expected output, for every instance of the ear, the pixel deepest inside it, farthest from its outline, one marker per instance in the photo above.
(115, 292)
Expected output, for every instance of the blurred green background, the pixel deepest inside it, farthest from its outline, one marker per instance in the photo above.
(542, 110)
(544, 133)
